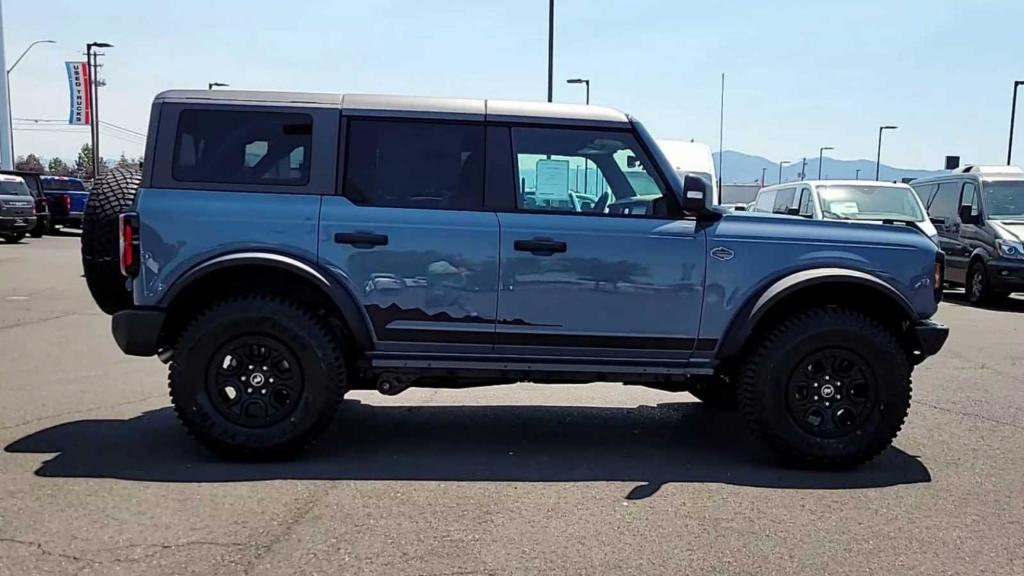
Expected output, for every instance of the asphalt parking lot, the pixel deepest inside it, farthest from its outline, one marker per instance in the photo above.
(96, 476)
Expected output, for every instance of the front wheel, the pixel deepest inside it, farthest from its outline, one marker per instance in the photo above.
(979, 290)
(257, 377)
(827, 388)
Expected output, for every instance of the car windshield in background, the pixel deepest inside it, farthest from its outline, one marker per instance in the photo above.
(69, 185)
(1004, 200)
(13, 189)
(849, 202)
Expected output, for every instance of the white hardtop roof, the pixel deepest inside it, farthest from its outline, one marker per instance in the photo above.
(863, 183)
(10, 178)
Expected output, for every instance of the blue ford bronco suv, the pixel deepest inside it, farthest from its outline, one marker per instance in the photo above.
(280, 249)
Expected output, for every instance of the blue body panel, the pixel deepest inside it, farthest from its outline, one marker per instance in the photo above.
(435, 282)
(768, 247)
(180, 229)
(631, 284)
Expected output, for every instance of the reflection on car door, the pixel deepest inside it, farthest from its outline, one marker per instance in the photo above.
(943, 213)
(597, 283)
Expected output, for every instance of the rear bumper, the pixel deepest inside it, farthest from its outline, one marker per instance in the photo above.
(137, 332)
(929, 337)
(1006, 275)
(71, 219)
(17, 224)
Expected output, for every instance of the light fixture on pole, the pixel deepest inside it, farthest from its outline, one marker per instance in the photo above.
(1013, 118)
(92, 58)
(781, 164)
(10, 115)
(857, 177)
(212, 85)
(878, 159)
(821, 157)
(584, 81)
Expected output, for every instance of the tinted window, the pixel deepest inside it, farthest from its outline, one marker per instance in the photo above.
(969, 197)
(784, 200)
(415, 165)
(944, 202)
(11, 188)
(925, 192)
(63, 184)
(241, 147)
(585, 171)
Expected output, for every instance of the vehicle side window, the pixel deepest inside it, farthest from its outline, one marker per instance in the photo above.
(242, 147)
(806, 203)
(784, 200)
(410, 164)
(969, 197)
(585, 171)
(944, 202)
(925, 192)
(765, 201)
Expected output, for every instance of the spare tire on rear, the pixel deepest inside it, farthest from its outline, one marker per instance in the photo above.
(112, 196)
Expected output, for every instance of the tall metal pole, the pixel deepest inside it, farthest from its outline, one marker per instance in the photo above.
(721, 131)
(1013, 118)
(763, 171)
(878, 159)
(10, 115)
(94, 124)
(587, 83)
(551, 50)
(857, 177)
(6, 152)
(803, 169)
(781, 164)
(821, 158)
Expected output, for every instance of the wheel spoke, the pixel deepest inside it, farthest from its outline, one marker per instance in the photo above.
(254, 381)
(830, 393)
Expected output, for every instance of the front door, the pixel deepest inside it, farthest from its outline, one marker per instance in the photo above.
(943, 213)
(410, 237)
(611, 275)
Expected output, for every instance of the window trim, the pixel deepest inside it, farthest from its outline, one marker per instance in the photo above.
(343, 158)
(666, 190)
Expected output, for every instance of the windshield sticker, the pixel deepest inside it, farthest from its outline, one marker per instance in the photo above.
(843, 208)
(553, 179)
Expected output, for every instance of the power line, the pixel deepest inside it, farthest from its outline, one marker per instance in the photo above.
(112, 125)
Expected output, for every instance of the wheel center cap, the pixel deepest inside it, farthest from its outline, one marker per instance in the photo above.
(827, 391)
(256, 379)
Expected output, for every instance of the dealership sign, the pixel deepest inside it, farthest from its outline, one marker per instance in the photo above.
(78, 84)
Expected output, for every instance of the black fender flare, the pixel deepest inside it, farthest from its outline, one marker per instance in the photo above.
(353, 314)
(747, 317)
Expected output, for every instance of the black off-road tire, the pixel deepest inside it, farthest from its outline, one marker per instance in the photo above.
(297, 332)
(112, 196)
(979, 290)
(13, 238)
(769, 376)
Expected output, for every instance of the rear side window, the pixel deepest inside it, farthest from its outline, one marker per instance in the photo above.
(944, 203)
(406, 164)
(243, 147)
(765, 201)
(924, 192)
(784, 201)
(970, 198)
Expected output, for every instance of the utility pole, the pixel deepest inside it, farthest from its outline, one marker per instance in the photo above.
(6, 161)
(803, 169)
(721, 133)
(857, 177)
(821, 157)
(1013, 118)
(92, 61)
(551, 50)
(763, 171)
(878, 159)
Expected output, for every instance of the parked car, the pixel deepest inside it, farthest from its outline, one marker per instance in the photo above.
(17, 209)
(847, 200)
(67, 198)
(979, 214)
(42, 208)
(688, 157)
(813, 327)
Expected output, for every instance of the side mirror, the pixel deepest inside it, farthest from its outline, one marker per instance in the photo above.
(695, 190)
(966, 217)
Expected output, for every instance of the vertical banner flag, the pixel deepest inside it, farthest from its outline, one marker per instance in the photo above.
(78, 84)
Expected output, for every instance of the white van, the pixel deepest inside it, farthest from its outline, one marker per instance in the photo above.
(860, 200)
(692, 158)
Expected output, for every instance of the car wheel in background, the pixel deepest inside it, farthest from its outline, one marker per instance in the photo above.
(257, 377)
(826, 388)
(979, 290)
(112, 196)
(14, 238)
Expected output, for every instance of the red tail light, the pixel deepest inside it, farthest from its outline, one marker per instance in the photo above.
(129, 242)
(67, 203)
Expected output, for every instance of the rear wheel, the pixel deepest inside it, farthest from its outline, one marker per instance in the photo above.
(826, 388)
(14, 238)
(257, 377)
(112, 196)
(979, 290)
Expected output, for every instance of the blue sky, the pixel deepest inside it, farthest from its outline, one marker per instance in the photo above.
(799, 75)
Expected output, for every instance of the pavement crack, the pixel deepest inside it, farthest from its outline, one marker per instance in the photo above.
(967, 414)
(81, 411)
(37, 321)
(46, 551)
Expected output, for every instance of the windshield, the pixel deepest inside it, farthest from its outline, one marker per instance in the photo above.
(70, 184)
(848, 202)
(1004, 200)
(8, 188)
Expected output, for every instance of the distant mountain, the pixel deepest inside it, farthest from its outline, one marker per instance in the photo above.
(740, 168)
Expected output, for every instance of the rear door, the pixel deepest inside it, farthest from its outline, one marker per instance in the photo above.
(595, 282)
(409, 234)
(943, 213)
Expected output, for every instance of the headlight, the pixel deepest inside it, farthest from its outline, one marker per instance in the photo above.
(1010, 249)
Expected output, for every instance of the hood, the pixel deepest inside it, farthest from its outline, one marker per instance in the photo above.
(1009, 229)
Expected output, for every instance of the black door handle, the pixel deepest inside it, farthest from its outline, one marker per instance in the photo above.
(364, 240)
(540, 246)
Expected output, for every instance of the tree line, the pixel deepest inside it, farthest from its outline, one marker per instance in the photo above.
(82, 168)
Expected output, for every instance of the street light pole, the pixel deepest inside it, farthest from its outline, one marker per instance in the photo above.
(878, 159)
(781, 164)
(551, 49)
(857, 177)
(585, 82)
(821, 157)
(763, 171)
(10, 114)
(92, 61)
(1013, 118)
(212, 85)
